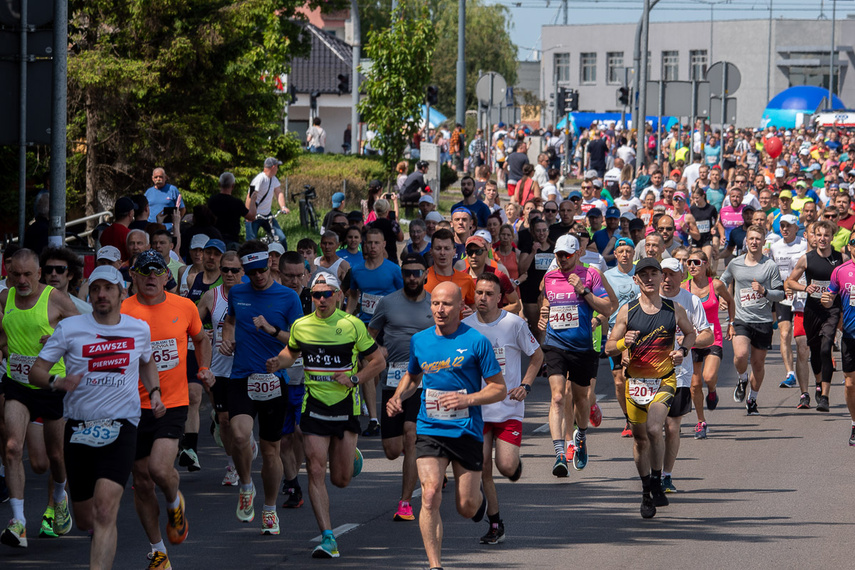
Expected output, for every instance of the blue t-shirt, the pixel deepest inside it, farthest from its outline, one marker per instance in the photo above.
(449, 364)
(715, 196)
(480, 209)
(711, 154)
(624, 287)
(280, 306)
(353, 259)
(601, 239)
(374, 284)
(166, 197)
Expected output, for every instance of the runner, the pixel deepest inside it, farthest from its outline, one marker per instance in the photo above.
(755, 282)
(197, 263)
(330, 414)
(571, 294)
(330, 261)
(31, 310)
(172, 320)
(260, 314)
(510, 337)
(646, 328)
(398, 317)
(442, 271)
(450, 360)
(107, 355)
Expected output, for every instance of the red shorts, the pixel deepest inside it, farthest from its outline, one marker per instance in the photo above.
(511, 189)
(508, 430)
(798, 325)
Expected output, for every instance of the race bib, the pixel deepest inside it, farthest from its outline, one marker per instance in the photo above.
(165, 353)
(643, 390)
(369, 303)
(19, 367)
(436, 412)
(542, 261)
(395, 373)
(564, 317)
(96, 433)
(823, 287)
(703, 226)
(263, 387)
(748, 297)
(499, 351)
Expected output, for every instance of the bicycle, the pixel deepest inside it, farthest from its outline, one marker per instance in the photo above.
(264, 224)
(308, 218)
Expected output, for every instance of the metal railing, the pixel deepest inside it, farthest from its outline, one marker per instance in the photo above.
(100, 216)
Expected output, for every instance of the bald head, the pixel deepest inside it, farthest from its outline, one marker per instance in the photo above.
(445, 304)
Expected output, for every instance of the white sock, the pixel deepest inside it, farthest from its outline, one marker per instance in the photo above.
(173, 505)
(666, 474)
(791, 372)
(246, 487)
(374, 420)
(18, 510)
(58, 492)
(269, 508)
(752, 394)
(743, 377)
(159, 547)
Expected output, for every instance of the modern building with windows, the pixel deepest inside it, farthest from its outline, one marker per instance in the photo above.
(592, 57)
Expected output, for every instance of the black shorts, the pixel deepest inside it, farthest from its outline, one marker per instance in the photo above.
(760, 334)
(820, 323)
(394, 427)
(728, 164)
(681, 404)
(41, 402)
(192, 368)
(579, 367)
(705, 240)
(150, 428)
(698, 354)
(294, 396)
(784, 313)
(615, 362)
(85, 464)
(220, 394)
(847, 354)
(465, 450)
(271, 413)
(328, 421)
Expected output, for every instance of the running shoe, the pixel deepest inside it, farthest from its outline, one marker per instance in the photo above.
(804, 402)
(294, 500)
(822, 404)
(580, 458)
(46, 530)
(357, 462)
(327, 548)
(373, 429)
(659, 498)
(269, 522)
(627, 431)
(15, 534)
(4, 490)
(176, 523)
(560, 468)
(231, 478)
(158, 561)
(789, 381)
(701, 430)
(817, 394)
(712, 400)
(482, 510)
(852, 437)
(596, 416)
(515, 476)
(648, 509)
(751, 407)
(189, 459)
(739, 391)
(668, 485)
(495, 535)
(62, 517)
(404, 512)
(245, 509)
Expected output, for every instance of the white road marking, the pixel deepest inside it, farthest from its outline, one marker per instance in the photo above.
(338, 531)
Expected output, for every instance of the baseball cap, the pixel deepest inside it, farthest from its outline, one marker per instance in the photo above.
(574, 194)
(107, 273)
(355, 216)
(804, 152)
(428, 199)
(276, 247)
(680, 194)
(413, 257)
(813, 167)
(461, 209)
(377, 184)
(786, 194)
(591, 174)
(148, 259)
(477, 240)
(612, 212)
(198, 241)
(484, 234)
(270, 162)
(789, 219)
(779, 173)
(628, 215)
(434, 217)
(594, 213)
(337, 199)
(254, 260)
(636, 224)
(324, 278)
(645, 263)
(851, 172)
(624, 241)
(670, 184)
(801, 184)
(597, 183)
(109, 253)
(216, 244)
(567, 244)
(671, 263)
(124, 205)
(501, 124)
(676, 171)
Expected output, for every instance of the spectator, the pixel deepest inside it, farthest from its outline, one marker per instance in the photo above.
(268, 188)
(426, 206)
(140, 213)
(36, 234)
(117, 232)
(228, 210)
(375, 188)
(337, 201)
(415, 185)
(163, 195)
(316, 137)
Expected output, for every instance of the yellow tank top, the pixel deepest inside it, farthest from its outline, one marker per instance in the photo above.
(24, 329)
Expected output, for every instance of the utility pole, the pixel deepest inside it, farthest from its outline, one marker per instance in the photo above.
(460, 107)
(56, 231)
(564, 2)
(769, 54)
(639, 120)
(354, 80)
(831, 62)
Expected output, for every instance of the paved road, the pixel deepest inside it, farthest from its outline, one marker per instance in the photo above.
(762, 492)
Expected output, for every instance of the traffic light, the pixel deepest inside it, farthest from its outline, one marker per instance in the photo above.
(571, 101)
(313, 100)
(292, 92)
(343, 83)
(560, 100)
(432, 95)
(623, 96)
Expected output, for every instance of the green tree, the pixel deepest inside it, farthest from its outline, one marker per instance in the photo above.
(395, 84)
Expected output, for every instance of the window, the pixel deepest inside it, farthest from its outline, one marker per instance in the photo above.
(588, 68)
(670, 65)
(815, 75)
(698, 64)
(562, 67)
(614, 61)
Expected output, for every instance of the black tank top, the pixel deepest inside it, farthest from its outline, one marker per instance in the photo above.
(650, 356)
(197, 289)
(818, 271)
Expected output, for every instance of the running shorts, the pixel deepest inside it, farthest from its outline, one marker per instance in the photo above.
(85, 464)
(150, 428)
(465, 450)
(682, 403)
(578, 367)
(294, 395)
(40, 402)
(328, 421)
(760, 334)
(798, 325)
(508, 430)
(784, 313)
(394, 427)
(847, 354)
(699, 354)
(637, 413)
(220, 394)
(271, 413)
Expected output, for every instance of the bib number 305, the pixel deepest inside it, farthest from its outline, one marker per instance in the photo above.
(263, 387)
(96, 433)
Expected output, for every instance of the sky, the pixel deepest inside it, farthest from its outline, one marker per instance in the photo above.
(529, 15)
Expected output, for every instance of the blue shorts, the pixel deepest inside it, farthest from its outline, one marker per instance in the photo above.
(294, 395)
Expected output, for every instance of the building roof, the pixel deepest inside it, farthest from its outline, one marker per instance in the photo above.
(329, 57)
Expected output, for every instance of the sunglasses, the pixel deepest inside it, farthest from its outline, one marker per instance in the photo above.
(562, 254)
(666, 228)
(58, 269)
(322, 294)
(694, 262)
(830, 217)
(414, 272)
(475, 251)
(258, 271)
(148, 271)
(234, 270)
(575, 199)
(550, 210)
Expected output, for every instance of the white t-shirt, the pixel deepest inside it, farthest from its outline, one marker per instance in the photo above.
(786, 255)
(631, 205)
(588, 205)
(656, 192)
(550, 188)
(691, 173)
(109, 359)
(695, 311)
(626, 153)
(540, 175)
(266, 188)
(510, 337)
(316, 137)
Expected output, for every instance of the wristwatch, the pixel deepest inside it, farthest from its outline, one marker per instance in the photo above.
(527, 388)
(276, 331)
(586, 292)
(354, 380)
(685, 351)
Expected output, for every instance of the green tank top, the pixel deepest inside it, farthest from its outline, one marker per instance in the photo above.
(24, 329)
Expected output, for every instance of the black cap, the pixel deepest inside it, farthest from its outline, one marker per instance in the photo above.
(412, 257)
(636, 224)
(422, 164)
(646, 263)
(375, 184)
(355, 216)
(595, 213)
(124, 205)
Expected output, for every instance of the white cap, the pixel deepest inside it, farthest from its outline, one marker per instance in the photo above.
(628, 215)
(485, 235)
(198, 241)
(427, 199)
(277, 247)
(673, 264)
(434, 217)
(325, 278)
(670, 184)
(779, 173)
(804, 151)
(109, 253)
(567, 244)
(789, 219)
(107, 273)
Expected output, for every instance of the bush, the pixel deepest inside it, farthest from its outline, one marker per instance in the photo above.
(327, 171)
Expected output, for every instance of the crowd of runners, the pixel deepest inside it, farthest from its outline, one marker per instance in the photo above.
(649, 269)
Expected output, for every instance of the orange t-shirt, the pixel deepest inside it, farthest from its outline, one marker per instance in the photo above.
(171, 322)
(461, 279)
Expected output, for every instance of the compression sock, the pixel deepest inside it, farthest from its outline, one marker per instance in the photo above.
(558, 444)
(191, 440)
(645, 484)
(58, 491)
(293, 484)
(656, 479)
(494, 519)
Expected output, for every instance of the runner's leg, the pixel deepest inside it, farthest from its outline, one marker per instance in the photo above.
(431, 472)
